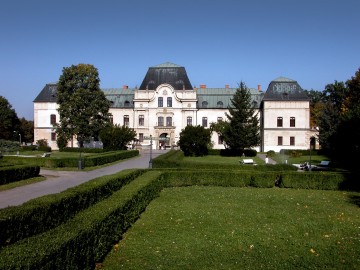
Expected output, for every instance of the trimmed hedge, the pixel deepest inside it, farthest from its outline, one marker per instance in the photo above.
(226, 178)
(232, 153)
(82, 150)
(17, 173)
(88, 237)
(44, 213)
(315, 180)
(171, 159)
(95, 160)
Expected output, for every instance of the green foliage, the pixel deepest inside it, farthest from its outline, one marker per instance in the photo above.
(171, 159)
(85, 239)
(9, 121)
(194, 140)
(17, 173)
(61, 139)
(116, 137)
(243, 130)
(42, 142)
(270, 153)
(44, 148)
(27, 130)
(83, 107)
(8, 146)
(47, 212)
(28, 147)
(82, 150)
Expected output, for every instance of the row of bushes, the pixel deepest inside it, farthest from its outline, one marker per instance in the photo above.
(42, 214)
(232, 153)
(88, 237)
(89, 161)
(300, 152)
(82, 150)
(17, 173)
(282, 179)
(171, 159)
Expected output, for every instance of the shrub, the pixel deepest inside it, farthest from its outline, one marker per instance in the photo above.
(270, 153)
(28, 148)
(47, 212)
(87, 238)
(8, 146)
(194, 140)
(44, 148)
(214, 152)
(82, 150)
(250, 152)
(17, 173)
(42, 142)
(171, 159)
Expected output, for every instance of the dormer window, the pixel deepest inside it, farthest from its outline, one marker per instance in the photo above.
(220, 104)
(204, 104)
(127, 103)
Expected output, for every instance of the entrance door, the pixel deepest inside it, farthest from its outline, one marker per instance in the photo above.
(163, 141)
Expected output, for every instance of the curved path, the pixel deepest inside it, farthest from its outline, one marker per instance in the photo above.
(57, 181)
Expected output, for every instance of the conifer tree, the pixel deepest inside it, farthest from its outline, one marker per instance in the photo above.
(243, 130)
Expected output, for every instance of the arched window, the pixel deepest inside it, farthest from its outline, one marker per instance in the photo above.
(127, 103)
(220, 104)
(204, 104)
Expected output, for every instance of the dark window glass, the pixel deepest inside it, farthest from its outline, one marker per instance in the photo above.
(169, 121)
(160, 102)
(141, 120)
(204, 122)
(160, 121)
(279, 121)
(169, 101)
(189, 120)
(126, 120)
(53, 119)
(292, 121)
(292, 140)
(280, 140)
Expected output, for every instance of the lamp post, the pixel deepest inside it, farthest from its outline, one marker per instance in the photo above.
(311, 142)
(150, 161)
(19, 136)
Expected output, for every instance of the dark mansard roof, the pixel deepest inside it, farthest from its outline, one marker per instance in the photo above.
(284, 89)
(168, 73)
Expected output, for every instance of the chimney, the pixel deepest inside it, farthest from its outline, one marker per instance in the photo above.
(259, 87)
(125, 87)
(202, 85)
(227, 86)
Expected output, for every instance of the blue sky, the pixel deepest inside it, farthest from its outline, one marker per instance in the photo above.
(218, 42)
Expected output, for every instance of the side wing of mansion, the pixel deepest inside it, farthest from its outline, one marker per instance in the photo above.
(166, 102)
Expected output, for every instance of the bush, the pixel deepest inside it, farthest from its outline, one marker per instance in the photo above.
(8, 146)
(28, 148)
(194, 140)
(17, 173)
(214, 152)
(42, 214)
(270, 153)
(44, 148)
(250, 152)
(88, 237)
(171, 159)
(82, 150)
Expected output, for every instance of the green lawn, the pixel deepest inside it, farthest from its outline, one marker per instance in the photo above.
(243, 228)
(218, 160)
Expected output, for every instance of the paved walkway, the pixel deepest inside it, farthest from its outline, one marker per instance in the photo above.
(58, 181)
(263, 156)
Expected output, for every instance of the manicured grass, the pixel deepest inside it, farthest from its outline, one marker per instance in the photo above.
(219, 160)
(243, 228)
(22, 183)
(315, 159)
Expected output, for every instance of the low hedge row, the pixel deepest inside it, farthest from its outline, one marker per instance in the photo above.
(82, 150)
(17, 173)
(88, 237)
(232, 153)
(226, 178)
(318, 180)
(304, 152)
(44, 213)
(171, 159)
(89, 161)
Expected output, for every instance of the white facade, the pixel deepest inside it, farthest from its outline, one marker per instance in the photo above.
(163, 111)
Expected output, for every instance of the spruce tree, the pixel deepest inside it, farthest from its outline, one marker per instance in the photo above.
(243, 130)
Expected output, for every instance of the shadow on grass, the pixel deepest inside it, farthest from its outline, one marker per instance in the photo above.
(355, 199)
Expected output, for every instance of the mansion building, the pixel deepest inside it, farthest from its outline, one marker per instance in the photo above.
(166, 102)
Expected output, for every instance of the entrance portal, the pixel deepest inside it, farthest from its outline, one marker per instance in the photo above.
(163, 141)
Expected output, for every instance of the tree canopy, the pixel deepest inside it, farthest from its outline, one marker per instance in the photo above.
(9, 121)
(116, 137)
(242, 130)
(83, 107)
(194, 140)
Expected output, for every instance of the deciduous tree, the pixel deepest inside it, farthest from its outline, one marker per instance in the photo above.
(116, 137)
(194, 140)
(83, 107)
(9, 121)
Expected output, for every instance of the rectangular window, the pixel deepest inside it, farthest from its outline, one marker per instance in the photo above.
(53, 136)
(111, 118)
(292, 121)
(189, 121)
(220, 139)
(160, 102)
(126, 120)
(279, 121)
(280, 140)
(204, 122)
(168, 121)
(160, 121)
(169, 101)
(141, 137)
(292, 140)
(219, 119)
(53, 119)
(141, 120)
